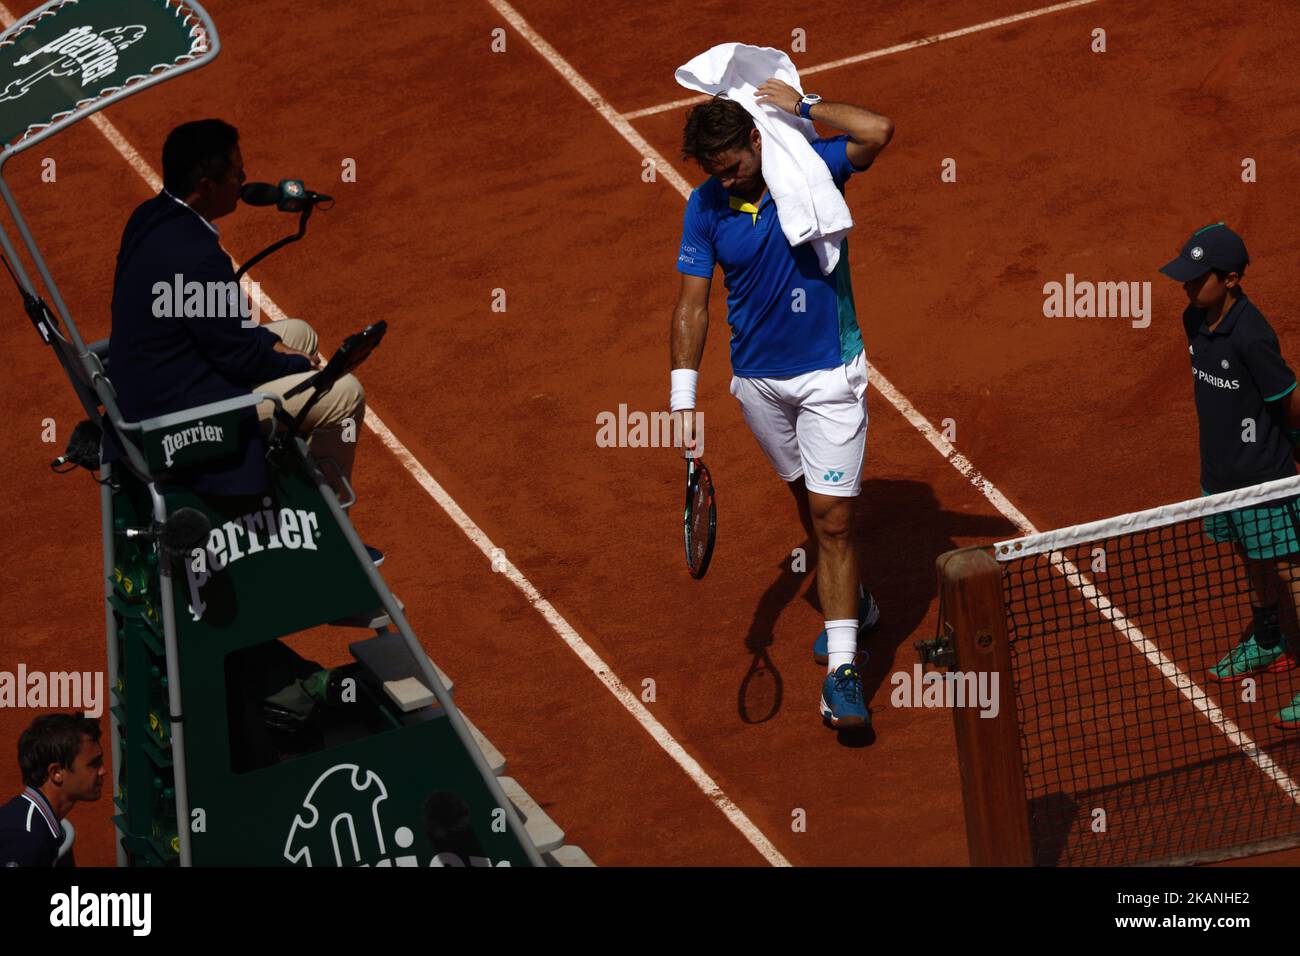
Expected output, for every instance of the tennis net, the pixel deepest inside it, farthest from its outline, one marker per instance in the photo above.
(1140, 739)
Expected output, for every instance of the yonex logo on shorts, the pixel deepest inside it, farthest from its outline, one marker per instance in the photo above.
(833, 476)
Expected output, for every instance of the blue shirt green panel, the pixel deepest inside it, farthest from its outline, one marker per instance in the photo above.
(786, 317)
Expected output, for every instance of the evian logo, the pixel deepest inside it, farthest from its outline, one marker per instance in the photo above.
(268, 529)
(194, 435)
(82, 50)
(340, 824)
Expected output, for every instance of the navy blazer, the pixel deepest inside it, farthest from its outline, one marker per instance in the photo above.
(159, 364)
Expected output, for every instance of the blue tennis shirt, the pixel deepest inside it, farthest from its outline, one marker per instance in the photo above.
(770, 338)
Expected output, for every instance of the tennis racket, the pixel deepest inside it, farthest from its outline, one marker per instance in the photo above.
(701, 522)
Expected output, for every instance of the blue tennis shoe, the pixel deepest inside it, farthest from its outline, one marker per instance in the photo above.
(868, 615)
(842, 702)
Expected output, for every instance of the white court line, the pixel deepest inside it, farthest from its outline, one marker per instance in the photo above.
(588, 92)
(876, 54)
(1171, 672)
(882, 384)
(603, 671)
(1080, 582)
(707, 785)
(1184, 684)
(950, 454)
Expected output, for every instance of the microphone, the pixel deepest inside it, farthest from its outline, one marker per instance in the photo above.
(83, 448)
(260, 194)
(289, 196)
(185, 530)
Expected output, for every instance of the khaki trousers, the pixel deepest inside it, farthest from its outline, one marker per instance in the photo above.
(333, 425)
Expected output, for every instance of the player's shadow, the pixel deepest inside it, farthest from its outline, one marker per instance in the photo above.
(899, 531)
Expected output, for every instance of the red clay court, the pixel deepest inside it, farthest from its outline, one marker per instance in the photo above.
(543, 572)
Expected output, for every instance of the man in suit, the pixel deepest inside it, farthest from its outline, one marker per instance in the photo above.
(164, 359)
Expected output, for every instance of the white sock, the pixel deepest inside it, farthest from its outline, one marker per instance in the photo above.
(841, 642)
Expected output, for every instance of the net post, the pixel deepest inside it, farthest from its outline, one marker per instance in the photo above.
(973, 622)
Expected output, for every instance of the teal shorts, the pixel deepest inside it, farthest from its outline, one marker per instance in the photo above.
(1268, 531)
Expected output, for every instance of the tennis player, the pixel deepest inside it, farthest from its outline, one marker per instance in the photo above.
(800, 373)
(1240, 381)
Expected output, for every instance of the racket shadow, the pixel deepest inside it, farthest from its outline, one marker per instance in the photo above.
(761, 692)
(905, 513)
(763, 689)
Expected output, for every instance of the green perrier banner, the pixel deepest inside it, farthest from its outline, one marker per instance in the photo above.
(79, 50)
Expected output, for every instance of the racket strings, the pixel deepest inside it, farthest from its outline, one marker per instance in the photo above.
(701, 517)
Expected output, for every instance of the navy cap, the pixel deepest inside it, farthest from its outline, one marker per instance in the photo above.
(1214, 247)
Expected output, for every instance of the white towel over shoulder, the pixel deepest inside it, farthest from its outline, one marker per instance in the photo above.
(808, 205)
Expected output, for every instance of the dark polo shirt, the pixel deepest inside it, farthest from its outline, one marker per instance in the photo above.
(160, 365)
(30, 834)
(1237, 374)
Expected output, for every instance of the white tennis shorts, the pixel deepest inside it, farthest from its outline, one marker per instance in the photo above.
(813, 424)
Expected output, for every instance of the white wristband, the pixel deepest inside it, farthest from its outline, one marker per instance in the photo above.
(682, 394)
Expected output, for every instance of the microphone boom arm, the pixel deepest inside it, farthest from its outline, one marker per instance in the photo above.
(279, 244)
